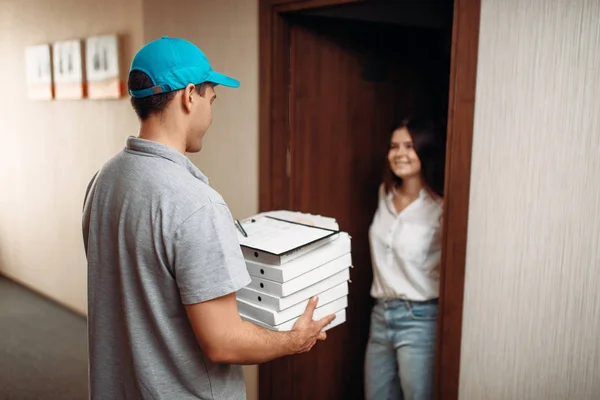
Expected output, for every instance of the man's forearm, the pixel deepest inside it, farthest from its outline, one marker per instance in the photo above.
(227, 339)
(252, 344)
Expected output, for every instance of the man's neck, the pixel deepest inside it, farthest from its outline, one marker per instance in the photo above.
(162, 132)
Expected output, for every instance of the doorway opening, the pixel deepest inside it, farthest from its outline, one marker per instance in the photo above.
(335, 76)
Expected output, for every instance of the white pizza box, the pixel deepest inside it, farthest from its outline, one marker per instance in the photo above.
(303, 281)
(282, 273)
(271, 317)
(276, 241)
(277, 303)
(337, 307)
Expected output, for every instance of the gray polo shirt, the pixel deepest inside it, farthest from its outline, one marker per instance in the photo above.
(157, 237)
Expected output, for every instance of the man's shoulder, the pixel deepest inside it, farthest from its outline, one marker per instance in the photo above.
(183, 195)
(161, 175)
(189, 190)
(165, 184)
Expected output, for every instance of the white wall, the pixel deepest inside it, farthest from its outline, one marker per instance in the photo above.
(532, 306)
(50, 150)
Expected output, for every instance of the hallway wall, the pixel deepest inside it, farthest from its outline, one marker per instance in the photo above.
(532, 307)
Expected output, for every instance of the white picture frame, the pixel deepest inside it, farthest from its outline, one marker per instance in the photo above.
(103, 68)
(68, 70)
(38, 64)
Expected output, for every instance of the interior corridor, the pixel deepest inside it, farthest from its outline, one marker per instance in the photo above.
(42, 347)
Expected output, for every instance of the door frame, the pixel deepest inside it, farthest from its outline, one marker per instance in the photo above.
(274, 189)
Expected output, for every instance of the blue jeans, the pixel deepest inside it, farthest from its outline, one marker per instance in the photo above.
(400, 356)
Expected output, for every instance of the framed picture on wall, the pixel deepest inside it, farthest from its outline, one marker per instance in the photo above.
(102, 67)
(38, 63)
(68, 70)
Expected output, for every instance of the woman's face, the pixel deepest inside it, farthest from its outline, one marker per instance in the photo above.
(402, 156)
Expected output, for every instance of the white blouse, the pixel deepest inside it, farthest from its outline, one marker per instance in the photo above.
(406, 248)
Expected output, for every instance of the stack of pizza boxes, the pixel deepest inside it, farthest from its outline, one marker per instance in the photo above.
(292, 257)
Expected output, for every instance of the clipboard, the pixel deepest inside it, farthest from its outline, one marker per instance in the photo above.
(275, 241)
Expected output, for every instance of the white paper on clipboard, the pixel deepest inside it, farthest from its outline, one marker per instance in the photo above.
(278, 237)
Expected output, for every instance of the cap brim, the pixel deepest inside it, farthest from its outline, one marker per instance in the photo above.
(218, 78)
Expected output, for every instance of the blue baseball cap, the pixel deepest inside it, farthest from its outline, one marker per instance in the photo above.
(172, 64)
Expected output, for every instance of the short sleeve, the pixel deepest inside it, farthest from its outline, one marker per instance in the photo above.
(207, 258)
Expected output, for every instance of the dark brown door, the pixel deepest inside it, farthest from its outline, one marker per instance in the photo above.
(348, 82)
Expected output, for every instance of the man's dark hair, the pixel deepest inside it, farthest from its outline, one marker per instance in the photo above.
(157, 103)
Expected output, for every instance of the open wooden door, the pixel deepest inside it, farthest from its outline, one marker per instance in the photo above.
(331, 89)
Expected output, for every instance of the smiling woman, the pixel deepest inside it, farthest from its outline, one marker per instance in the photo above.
(367, 62)
(405, 240)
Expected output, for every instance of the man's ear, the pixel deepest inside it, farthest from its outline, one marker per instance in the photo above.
(187, 97)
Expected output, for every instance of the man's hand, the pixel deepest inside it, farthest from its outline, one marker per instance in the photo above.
(306, 332)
